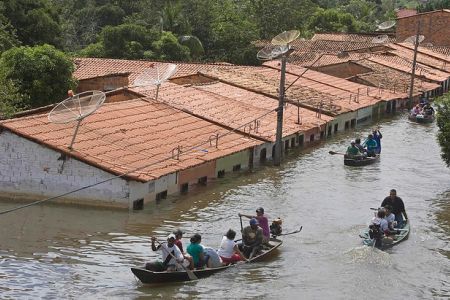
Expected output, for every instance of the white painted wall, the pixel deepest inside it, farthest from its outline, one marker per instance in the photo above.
(148, 190)
(31, 171)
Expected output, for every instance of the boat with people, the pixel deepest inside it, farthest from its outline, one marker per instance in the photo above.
(150, 277)
(361, 161)
(374, 237)
(421, 118)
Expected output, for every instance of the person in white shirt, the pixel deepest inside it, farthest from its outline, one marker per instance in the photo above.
(390, 217)
(172, 258)
(229, 251)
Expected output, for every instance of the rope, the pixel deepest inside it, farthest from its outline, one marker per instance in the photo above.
(131, 171)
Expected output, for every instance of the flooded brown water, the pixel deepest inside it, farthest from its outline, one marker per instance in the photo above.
(52, 251)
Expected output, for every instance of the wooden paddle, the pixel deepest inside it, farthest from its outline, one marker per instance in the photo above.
(191, 274)
(334, 153)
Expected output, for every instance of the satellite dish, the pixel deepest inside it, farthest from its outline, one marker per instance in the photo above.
(155, 76)
(428, 44)
(380, 39)
(412, 39)
(285, 38)
(76, 108)
(386, 25)
(270, 52)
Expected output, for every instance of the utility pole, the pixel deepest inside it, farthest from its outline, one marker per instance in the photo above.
(413, 72)
(279, 135)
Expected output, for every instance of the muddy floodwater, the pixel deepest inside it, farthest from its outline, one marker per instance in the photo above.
(54, 252)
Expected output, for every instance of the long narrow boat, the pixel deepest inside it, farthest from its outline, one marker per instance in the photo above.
(146, 276)
(421, 118)
(398, 238)
(361, 162)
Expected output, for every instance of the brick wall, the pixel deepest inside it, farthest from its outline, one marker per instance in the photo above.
(106, 83)
(31, 171)
(435, 26)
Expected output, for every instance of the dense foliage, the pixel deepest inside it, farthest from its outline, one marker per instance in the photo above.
(434, 5)
(176, 30)
(443, 122)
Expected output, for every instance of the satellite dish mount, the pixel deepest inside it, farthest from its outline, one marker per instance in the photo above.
(155, 76)
(76, 108)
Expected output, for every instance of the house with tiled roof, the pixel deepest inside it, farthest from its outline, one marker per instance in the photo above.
(434, 26)
(140, 149)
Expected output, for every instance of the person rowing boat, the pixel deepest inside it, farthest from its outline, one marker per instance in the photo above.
(172, 258)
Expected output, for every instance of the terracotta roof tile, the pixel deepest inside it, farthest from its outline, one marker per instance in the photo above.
(403, 13)
(132, 134)
(349, 37)
(224, 110)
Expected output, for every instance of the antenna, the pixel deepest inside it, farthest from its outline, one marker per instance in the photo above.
(380, 39)
(270, 52)
(412, 39)
(285, 38)
(155, 76)
(76, 108)
(385, 25)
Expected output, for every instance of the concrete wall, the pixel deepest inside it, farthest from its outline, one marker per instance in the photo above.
(30, 171)
(228, 162)
(192, 175)
(149, 190)
(435, 26)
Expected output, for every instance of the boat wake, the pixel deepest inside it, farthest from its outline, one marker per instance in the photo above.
(370, 255)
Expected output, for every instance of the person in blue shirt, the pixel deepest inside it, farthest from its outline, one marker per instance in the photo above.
(377, 136)
(371, 145)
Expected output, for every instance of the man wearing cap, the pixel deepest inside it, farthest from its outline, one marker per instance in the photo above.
(171, 256)
(252, 238)
(263, 222)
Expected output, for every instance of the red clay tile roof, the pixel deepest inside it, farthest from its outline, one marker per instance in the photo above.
(403, 13)
(350, 37)
(441, 53)
(222, 110)
(425, 13)
(140, 133)
(87, 68)
(428, 60)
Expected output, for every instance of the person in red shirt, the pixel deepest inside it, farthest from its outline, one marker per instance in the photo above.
(179, 235)
(263, 222)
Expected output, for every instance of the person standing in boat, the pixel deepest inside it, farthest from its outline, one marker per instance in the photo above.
(371, 146)
(398, 207)
(229, 251)
(377, 136)
(171, 256)
(252, 238)
(263, 222)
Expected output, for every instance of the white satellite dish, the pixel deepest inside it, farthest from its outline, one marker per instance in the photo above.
(76, 108)
(285, 38)
(155, 76)
(270, 52)
(412, 39)
(386, 25)
(380, 39)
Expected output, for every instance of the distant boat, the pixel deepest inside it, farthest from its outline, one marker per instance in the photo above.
(421, 118)
(363, 161)
(147, 276)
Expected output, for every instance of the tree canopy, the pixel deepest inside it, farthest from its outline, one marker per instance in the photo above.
(443, 122)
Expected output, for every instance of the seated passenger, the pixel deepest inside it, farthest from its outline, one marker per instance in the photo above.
(353, 151)
(179, 235)
(263, 222)
(359, 146)
(390, 217)
(252, 238)
(371, 146)
(171, 256)
(195, 249)
(415, 110)
(428, 109)
(212, 258)
(229, 251)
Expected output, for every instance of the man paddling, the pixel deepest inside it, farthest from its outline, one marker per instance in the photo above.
(398, 207)
(171, 256)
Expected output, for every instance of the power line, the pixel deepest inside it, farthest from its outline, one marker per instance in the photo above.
(133, 170)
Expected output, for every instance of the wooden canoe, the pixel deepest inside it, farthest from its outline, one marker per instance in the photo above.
(398, 238)
(421, 118)
(149, 277)
(361, 162)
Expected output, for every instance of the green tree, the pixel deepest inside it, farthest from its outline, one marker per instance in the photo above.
(168, 48)
(443, 122)
(332, 20)
(43, 74)
(36, 21)
(11, 101)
